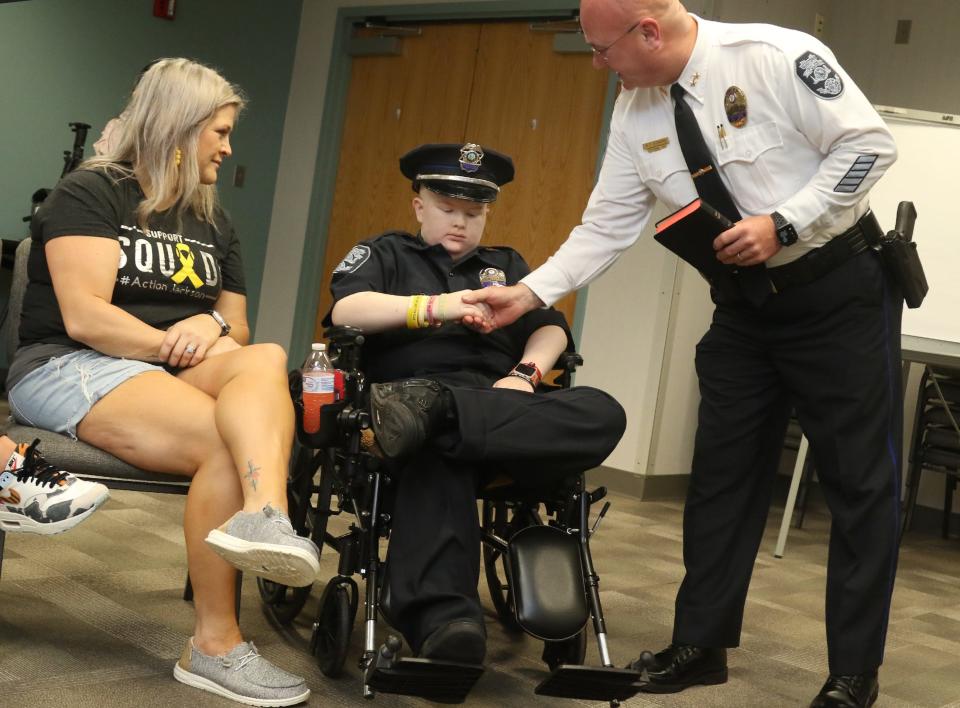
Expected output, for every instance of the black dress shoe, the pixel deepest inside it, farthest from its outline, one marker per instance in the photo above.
(404, 414)
(680, 666)
(856, 691)
(462, 641)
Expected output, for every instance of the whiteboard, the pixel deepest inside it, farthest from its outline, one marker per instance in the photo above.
(927, 173)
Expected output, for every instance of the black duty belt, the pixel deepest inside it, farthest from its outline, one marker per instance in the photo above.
(815, 264)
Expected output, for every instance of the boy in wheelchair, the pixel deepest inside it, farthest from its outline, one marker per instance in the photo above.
(451, 406)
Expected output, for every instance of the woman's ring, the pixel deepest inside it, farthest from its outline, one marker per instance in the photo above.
(191, 348)
(740, 256)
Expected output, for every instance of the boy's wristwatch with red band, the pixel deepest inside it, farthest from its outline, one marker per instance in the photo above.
(528, 371)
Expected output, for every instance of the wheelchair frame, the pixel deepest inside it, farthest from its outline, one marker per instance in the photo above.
(361, 483)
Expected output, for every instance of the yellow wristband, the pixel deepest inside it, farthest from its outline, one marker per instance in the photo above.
(412, 311)
(422, 312)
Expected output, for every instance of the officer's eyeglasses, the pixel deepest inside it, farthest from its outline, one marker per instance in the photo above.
(602, 51)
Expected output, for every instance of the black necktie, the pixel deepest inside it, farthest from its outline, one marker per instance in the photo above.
(752, 280)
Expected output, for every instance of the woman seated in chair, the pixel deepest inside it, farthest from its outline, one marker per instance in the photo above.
(134, 339)
(474, 405)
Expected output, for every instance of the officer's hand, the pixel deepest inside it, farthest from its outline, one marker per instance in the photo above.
(456, 310)
(514, 382)
(748, 242)
(507, 304)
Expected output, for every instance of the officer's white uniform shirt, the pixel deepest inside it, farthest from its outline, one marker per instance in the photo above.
(811, 148)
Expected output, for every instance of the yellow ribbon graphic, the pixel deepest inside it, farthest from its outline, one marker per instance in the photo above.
(186, 271)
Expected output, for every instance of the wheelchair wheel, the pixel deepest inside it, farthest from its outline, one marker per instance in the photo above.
(282, 603)
(503, 522)
(334, 625)
(568, 651)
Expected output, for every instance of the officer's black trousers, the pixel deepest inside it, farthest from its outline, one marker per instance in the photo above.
(434, 551)
(832, 349)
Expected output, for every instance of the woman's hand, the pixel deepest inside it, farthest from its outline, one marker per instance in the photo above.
(514, 382)
(187, 342)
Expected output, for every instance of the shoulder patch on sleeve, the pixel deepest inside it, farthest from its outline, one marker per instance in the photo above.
(818, 76)
(358, 255)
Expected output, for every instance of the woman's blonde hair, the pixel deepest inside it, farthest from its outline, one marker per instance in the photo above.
(169, 107)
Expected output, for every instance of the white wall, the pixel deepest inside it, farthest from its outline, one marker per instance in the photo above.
(921, 74)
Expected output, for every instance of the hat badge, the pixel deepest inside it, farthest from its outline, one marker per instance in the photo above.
(471, 155)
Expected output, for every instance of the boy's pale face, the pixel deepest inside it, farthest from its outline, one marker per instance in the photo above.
(456, 224)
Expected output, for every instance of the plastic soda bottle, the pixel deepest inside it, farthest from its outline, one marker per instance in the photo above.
(318, 386)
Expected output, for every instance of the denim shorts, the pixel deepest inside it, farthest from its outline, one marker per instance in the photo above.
(57, 395)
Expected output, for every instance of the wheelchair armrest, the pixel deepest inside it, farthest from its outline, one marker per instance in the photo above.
(567, 364)
(345, 344)
(344, 334)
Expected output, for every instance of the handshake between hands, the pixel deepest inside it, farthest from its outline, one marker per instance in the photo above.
(494, 307)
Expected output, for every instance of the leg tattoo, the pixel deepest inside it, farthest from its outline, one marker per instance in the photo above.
(252, 474)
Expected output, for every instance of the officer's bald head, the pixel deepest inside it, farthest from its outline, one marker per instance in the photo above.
(663, 11)
(646, 42)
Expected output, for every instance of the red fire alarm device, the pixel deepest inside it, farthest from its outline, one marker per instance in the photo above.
(164, 8)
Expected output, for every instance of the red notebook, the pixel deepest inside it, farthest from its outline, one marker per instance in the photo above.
(690, 231)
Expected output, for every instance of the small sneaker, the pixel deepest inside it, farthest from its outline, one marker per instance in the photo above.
(404, 414)
(241, 675)
(264, 543)
(36, 497)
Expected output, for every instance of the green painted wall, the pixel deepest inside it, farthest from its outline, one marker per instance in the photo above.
(76, 60)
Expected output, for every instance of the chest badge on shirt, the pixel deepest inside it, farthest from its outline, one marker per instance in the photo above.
(735, 106)
(492, 277)
(655, 145)
(818, 76)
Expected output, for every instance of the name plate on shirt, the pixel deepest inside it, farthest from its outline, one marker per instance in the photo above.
(655, 145)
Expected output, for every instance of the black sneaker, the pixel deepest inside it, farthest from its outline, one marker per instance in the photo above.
(855, 691)
(404, 414)
(37, 497)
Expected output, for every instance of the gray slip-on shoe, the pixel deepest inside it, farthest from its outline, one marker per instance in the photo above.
(241, 675)
(264, 543)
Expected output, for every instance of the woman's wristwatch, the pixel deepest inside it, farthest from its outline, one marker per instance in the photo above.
(224, 327)
(529, 372)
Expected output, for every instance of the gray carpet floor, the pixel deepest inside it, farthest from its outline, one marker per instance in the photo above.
(94, 618)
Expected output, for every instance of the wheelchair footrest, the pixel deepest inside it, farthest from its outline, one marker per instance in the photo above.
(591, 683)
(439, 681)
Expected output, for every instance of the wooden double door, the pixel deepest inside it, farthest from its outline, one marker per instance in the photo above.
(499, 84)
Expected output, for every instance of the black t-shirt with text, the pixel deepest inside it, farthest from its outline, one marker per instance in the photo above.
(165, 273)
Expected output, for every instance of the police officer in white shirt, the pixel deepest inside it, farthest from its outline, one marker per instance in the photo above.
(798, 147)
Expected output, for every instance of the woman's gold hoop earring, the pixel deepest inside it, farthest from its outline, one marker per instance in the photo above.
(178, 157)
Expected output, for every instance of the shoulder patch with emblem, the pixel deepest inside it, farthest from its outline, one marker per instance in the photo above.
(358, 255)
(818, 76)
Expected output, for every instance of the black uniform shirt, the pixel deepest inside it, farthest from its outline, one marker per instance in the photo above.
(397, 263)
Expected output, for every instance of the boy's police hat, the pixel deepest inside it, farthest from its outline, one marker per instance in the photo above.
(460, 171)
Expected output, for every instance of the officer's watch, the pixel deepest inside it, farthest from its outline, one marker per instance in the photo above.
(529, 372)
(786, 234)
(224, 327)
